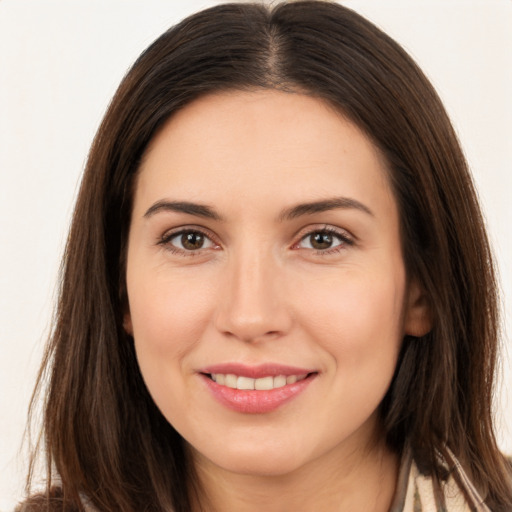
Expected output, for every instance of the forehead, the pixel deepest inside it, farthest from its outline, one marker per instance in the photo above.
(262, 144)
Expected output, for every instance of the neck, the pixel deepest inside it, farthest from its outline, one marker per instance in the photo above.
(358, 481)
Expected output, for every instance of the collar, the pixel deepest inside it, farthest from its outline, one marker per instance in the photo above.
(417, 492)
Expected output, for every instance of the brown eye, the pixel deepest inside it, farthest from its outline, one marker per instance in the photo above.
(187, 241)
(321, 241)
(192, 241)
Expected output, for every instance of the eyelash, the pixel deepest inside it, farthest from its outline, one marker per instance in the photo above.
(344, 238)
(165, 241)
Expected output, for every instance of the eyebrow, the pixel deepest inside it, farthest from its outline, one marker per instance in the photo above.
(205, 211)
(323, 206)
(198, 210)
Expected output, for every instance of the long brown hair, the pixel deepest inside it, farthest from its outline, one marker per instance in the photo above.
(104, 437)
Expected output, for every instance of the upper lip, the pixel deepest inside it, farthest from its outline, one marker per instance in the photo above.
(255, 371)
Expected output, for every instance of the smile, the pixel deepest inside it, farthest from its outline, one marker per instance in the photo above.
(233, 381)
(255, 389)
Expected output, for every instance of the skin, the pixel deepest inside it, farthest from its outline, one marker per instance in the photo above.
(259, 290)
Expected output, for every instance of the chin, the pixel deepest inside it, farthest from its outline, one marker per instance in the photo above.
(253, 460)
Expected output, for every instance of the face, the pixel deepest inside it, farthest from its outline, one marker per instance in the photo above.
(267, 292)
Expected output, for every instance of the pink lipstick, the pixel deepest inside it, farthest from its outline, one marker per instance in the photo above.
(255, 389)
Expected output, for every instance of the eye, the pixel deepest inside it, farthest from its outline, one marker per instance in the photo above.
(187, 241)
(324, 240)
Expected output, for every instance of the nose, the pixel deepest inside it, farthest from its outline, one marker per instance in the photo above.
(252, 303)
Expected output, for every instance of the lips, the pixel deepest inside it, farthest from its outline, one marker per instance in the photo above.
(256, 389)
(262, 384)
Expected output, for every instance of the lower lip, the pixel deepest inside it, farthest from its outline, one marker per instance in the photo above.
(256, 402)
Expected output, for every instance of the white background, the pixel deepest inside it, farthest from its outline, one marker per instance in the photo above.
(60, 62)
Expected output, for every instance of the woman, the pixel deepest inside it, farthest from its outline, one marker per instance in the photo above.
(278, 292)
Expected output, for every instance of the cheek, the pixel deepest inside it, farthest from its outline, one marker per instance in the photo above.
(357, 318)
(167, 311)
(168, 316)
(358, 323)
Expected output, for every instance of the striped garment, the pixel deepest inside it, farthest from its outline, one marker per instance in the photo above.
(420, 493)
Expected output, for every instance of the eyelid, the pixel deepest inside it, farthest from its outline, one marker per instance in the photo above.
(164, 240)
(345, 236)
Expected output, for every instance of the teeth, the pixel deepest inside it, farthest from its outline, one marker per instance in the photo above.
(245, 383)
(279, 381)
(230, 381)
(263, 384)
(291, 379)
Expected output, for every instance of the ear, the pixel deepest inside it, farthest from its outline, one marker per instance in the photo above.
(127, 323)
(418, 314)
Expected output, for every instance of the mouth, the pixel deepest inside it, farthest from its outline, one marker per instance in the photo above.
(256, 390)
(266, 383)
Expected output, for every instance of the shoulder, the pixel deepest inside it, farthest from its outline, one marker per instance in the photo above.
(47, 502)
